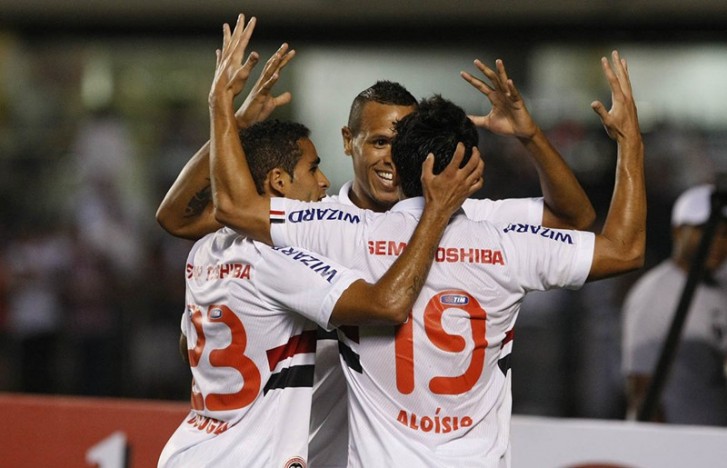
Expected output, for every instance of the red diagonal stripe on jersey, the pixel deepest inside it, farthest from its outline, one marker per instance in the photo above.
(298, 344)
(509, 335)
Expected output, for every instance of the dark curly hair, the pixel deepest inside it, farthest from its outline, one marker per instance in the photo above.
(435, 127)
(382, 92)
(270, 144)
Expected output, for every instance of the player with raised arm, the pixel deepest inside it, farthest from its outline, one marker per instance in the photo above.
(252, 311)
(435, 391)
(186, 210)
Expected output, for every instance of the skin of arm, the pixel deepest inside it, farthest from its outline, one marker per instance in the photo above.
(620, 247)
(186, 210)
(390, 299)
(566, 204)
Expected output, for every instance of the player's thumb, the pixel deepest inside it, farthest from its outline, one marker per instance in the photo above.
(599, 109)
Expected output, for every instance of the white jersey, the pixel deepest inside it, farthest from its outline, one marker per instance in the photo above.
(696, 390)
(329, 414)
(250, 323)
(435, 391)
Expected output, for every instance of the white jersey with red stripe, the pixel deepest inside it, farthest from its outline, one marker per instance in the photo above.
(328, 446)
(435, 391)
(250, 323)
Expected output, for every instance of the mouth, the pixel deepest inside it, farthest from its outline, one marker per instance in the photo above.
(386, 177)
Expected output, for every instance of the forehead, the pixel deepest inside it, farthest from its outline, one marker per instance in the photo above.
(377, 117)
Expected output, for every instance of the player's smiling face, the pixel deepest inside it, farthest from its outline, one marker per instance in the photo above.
(375, 182)
(309, 183)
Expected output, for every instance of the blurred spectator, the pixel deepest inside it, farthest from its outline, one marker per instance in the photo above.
(37, 259)
(696, 388)
(92, 323)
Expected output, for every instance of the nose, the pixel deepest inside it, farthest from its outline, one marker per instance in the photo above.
(387, 157)
(323, 180)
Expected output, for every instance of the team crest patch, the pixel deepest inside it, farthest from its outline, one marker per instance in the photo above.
(295, 462)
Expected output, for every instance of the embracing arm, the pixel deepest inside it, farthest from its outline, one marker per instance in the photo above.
(620, 247)
(186, 210)
(566, 203)
(391, 298)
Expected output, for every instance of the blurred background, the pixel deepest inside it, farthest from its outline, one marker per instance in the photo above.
(102, 103)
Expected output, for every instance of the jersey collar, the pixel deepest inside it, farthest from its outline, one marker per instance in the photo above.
(343, 193)
(414, 204)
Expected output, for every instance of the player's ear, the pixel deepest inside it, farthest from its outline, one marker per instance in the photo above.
(347, 140)
(278, 182)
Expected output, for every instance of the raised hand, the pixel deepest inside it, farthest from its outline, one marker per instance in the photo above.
(621, 121)
(450, 188)
(231, 74)
(509, 116)
(259, 104)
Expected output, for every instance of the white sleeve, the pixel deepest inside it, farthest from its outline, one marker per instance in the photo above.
(510, 210)
(547, 258)
(332, 229)
(307, 283)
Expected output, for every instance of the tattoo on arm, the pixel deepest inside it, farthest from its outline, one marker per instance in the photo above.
(416, 286)
(198, 202)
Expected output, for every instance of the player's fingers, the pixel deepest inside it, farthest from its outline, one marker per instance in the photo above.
(501, 72)
(476, 82)
(511, 90)
(491, 74)
(268, 85)
(286, 58)
(251, 61)
(457, 158)
(428, 167)
(237, 31)
(283, 99)
(272, 62)
(472, 164)
(474, 180)
(599, 109)
(248, 30)
(624, 76)
(226, 34)
(613, 80)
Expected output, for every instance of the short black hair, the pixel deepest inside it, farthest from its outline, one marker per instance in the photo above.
(382, 92)
(270, 144)
(435, 127)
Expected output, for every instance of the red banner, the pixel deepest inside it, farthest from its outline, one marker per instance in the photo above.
(85, 432)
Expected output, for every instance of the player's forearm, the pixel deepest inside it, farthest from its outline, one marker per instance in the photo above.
(186, 210)
(566, 203)
(236, 201)
(622, 243)
(399, 288)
